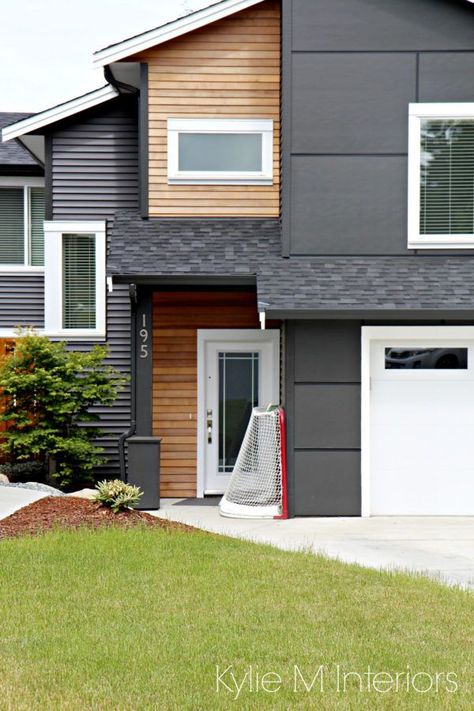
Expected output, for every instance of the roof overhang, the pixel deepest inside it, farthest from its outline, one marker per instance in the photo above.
(57, 113)
(176, 28)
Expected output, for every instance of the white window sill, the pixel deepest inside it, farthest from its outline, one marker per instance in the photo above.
(20, 269)
(221, 180)
(442, 242)
(76, 335)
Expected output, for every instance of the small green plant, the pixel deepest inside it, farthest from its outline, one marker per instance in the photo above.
(117, 495)
(48, 394)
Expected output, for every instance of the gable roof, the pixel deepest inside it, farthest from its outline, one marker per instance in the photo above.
(34, 122)
(170, 30)
(14, 155)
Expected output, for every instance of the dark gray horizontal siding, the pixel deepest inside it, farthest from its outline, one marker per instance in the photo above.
(116, 419)
(94, 163)
(21, 300)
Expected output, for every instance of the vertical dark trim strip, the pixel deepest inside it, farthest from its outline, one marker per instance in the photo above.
(290, 412)
(143, 140)
(417, 80)
(144, 363)
(48, 176)
(286, 42)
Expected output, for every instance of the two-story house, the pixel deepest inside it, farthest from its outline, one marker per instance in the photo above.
(274, 201)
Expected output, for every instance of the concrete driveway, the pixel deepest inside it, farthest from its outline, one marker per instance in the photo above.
(439, 547)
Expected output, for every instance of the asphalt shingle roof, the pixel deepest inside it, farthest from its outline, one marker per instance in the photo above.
(251, 247)
(12, 153)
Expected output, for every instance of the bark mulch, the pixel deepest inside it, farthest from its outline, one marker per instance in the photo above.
(70, 512)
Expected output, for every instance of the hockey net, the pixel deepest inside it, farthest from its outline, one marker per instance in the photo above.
(257, 487)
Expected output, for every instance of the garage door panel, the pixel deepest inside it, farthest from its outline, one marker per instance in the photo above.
(421, 435)
(412, 497)
(425, 447)
(428, 401)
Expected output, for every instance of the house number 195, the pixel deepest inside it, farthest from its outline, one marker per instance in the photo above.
(143, 333)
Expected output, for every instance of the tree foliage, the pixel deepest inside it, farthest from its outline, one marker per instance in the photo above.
(49, 392)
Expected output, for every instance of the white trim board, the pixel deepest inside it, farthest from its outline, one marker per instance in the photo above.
(382, 333)
(170, 30)
(57, 113)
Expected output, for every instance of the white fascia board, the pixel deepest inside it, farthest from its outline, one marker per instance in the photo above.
(170, 31)
(57, 113)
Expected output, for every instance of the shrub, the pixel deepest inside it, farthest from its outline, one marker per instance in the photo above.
(24, 471)
(117, 495)
(48, 392)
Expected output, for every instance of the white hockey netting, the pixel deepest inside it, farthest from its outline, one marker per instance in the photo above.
(255, 489)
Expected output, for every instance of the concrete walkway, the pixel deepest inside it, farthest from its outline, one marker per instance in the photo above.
(14, 498)
(441, 547)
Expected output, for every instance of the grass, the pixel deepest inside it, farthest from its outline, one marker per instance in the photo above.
(139, 619)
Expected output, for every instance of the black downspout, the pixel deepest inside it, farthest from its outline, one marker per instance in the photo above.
(133, 375)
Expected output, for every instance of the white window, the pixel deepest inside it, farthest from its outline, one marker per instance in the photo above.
(441, 176)
(220, 151)
(21, 224)
(75, 279)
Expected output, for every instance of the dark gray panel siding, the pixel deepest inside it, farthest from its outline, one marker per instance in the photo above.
(352, 107)
(21, 300)
(382, 25)
(350, 69)
(95, 163)
(446, 77)
(323, 413)
(349, 204)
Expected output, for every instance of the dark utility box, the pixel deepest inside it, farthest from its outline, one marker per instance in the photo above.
(143, 467)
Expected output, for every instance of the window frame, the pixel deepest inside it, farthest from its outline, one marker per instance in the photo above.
(25, 183)
(176, 126)
(53, 283)
(416, 113)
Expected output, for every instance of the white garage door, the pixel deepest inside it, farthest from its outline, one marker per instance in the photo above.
(422, 427)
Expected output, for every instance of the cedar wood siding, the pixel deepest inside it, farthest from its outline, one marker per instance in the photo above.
(94, 172)
(177, 315)
(228, 69)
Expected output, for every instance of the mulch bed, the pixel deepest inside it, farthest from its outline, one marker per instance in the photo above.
(70, 512)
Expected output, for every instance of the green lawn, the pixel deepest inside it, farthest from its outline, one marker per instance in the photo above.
(139, 619)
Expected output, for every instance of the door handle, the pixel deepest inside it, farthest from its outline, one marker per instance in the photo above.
(209, 426)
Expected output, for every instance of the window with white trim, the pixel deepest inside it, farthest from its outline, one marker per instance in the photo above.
(441, 176)
(21, 226)
(220, 151)
(75, 279)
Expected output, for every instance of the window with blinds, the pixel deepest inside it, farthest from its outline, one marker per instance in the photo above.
(36, 227)
(12, 226)
(22, 240)
(447, 177)
(79, 281)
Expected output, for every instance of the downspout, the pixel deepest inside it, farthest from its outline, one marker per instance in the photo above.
(121, 86)
(133, 372)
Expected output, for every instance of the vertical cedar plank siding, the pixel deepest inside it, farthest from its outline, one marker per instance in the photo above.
(228, 69)
(94, 170)
(177, 315)
(21, 300)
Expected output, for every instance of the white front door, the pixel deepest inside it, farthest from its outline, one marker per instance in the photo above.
(422, 426)
(237, 370)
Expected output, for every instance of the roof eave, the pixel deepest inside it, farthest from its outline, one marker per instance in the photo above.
(169, 31)
(57, 113)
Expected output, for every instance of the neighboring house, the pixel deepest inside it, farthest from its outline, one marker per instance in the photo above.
(332, 269)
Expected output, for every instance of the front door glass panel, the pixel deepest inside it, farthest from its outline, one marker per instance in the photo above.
(238, 394)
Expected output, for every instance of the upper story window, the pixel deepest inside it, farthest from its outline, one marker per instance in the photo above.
(21, 226)
(220, 151)
(441, 176)
(75, 279)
